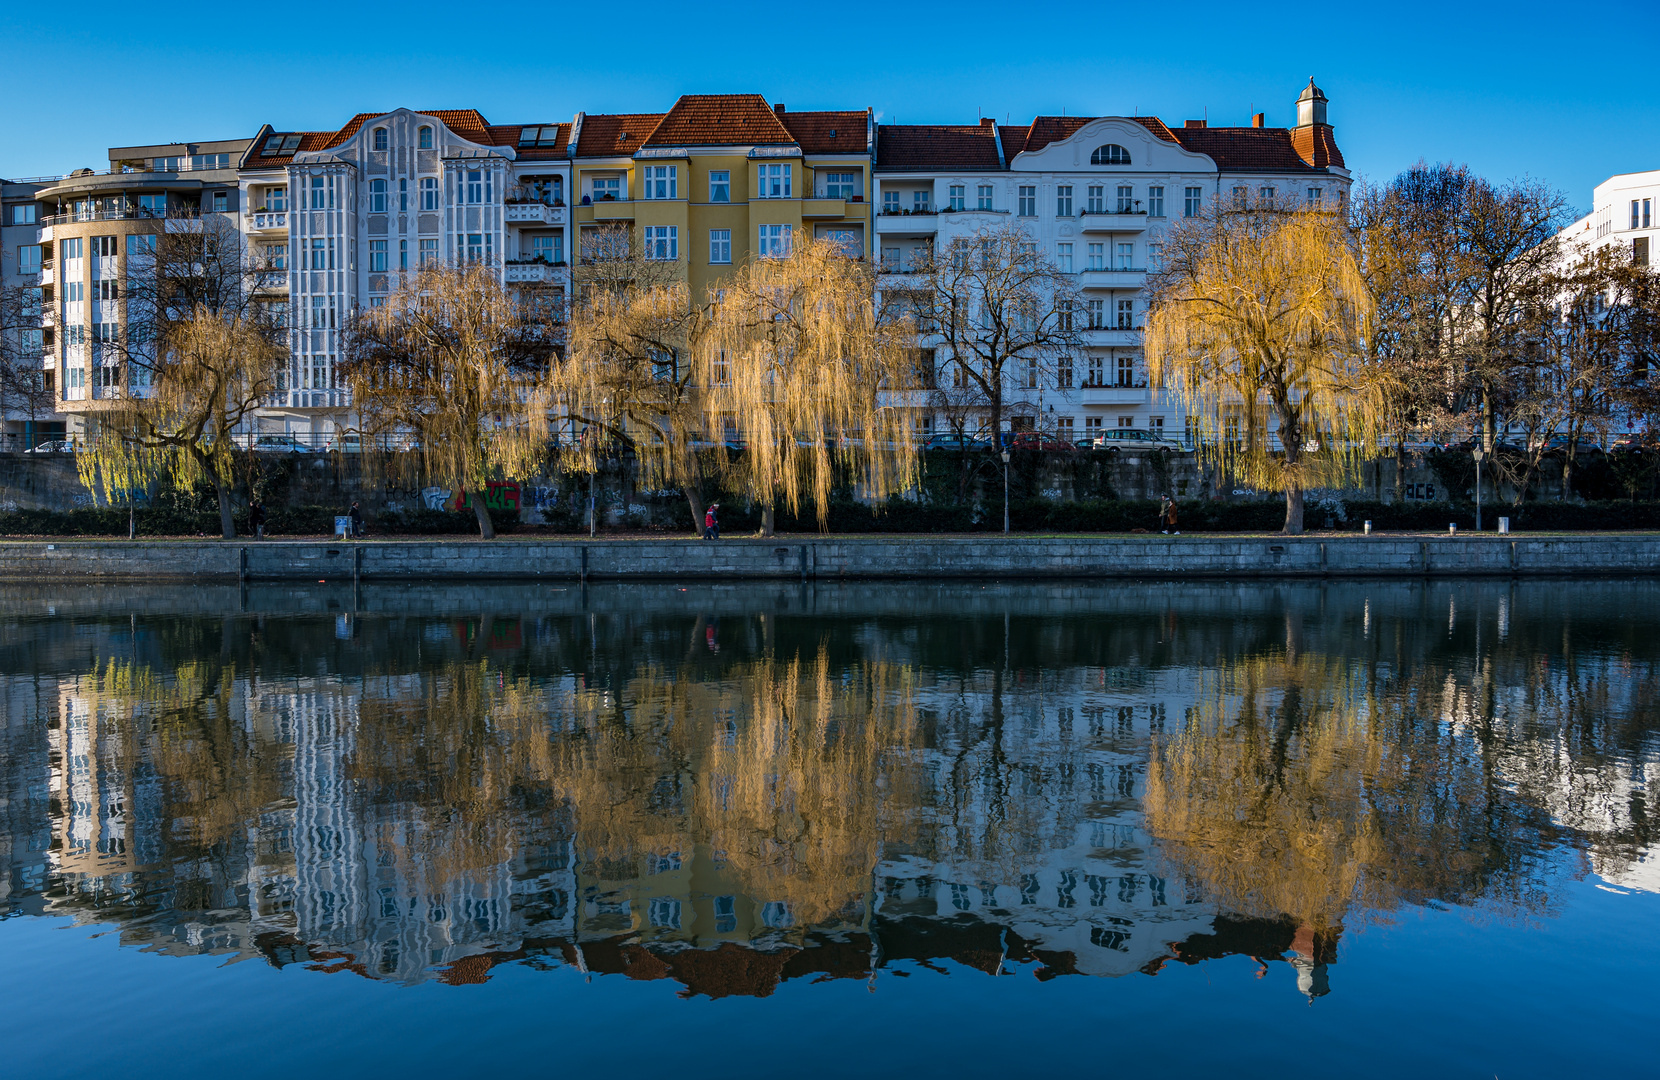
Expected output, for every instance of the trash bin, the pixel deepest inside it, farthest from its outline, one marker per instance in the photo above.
(1504, 525)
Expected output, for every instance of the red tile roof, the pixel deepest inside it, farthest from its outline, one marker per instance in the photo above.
(1317, 146)
(1157, 127)
(614, 134)
(508, 135)
(720, 120)
(1247, 149)
(905, 147)
(1014, 137)
(467, 123)
(1048, 129)
(828, 132)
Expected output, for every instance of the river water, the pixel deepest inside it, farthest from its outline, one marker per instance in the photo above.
(1361, 828)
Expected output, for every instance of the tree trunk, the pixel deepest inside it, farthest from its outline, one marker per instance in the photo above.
(695, 501)
(1400, 470)
(486, 527)
(1293, 509)
(227, 526)
(1568, 471)
(767, 520)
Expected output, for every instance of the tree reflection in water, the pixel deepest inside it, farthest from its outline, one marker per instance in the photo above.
(1061, 781)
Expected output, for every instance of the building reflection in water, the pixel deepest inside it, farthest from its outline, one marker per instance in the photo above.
(769, 796)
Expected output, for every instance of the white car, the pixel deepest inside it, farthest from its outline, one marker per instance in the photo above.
(1116, 439)
(54, 446)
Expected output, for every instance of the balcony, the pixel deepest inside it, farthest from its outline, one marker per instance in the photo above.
(267, 221)
(533, 273)
(1121, 278)
(907, 223)
(533, 214)
(1122, 221)
(1113, 395)
(824, 208)
(1104, 335)
(130, 213)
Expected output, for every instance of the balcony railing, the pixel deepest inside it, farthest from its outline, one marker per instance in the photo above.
(261, 220)
(130, 213)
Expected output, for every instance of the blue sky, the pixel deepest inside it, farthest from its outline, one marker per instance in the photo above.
(1511, 89)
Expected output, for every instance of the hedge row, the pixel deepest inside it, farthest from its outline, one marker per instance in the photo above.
(279, 521)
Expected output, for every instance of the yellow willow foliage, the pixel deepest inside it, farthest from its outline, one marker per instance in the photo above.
(799, 365)
(449, 365)
(796, 771)
(1263, 315)
(457, 755)
(212, 371)
(1293, 792)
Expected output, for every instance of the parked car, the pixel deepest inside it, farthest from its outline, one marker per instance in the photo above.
(1116, 439)
(1035, 440)
(1561, 443)
(279, 444)
(349, 442)
(956, 442)
(53, 446)
(1637, 442)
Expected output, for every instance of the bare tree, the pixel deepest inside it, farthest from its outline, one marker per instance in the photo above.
(24, 389)
(1005, 315)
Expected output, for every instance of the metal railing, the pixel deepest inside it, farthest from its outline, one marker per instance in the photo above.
(130, 213)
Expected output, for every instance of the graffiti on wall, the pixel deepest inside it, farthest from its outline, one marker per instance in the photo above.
(500, 495)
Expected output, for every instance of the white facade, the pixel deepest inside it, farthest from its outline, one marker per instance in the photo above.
(1625, 213)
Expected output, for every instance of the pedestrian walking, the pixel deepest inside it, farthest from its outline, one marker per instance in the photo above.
(1167, 515)
(357, 521)
(256, 519)
(711, 524)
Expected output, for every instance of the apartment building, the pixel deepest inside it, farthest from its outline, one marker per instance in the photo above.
(1625, 213)
(28, 395)
(1098, 196)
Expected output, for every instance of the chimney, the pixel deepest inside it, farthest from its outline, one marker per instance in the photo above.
(1257, 119)
(987, 122)
(1195, 123)
(779, 109)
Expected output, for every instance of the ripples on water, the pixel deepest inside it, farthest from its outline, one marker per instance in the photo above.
(731, 790)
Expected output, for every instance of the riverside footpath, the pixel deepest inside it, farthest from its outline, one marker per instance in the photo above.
(834, 558)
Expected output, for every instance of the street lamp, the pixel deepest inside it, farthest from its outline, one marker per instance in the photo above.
(1477, 454)
(1005, 491)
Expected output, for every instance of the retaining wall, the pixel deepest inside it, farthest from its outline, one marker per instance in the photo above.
(832, 558)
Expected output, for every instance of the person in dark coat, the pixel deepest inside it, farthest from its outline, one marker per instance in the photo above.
(256, 519)
(1167, 515)
(357, 520)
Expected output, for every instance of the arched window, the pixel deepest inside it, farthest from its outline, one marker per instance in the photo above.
(426, 138)
(380, 138)
(1110, 154)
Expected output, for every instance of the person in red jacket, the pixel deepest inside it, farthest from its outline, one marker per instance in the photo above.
(711, 527)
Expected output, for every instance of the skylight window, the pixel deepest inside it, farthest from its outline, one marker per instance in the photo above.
(546, 136)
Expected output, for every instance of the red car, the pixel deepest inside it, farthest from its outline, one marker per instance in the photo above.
(1035, 440)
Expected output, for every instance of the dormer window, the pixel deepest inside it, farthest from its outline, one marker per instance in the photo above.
(1110, 154)
(544, 137)
(424, 138)
(380, 138)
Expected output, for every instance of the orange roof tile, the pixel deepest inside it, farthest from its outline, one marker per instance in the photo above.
(1249, 149)
(720, 120)
(614, 134)
(828, 132)
(905, 147)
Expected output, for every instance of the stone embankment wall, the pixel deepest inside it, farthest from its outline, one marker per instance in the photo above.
(830, 558)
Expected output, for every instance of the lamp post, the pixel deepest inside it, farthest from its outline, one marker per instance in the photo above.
(1477, 454)
(1005, 440)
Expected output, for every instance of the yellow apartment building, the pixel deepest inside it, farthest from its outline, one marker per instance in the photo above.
(721, 177)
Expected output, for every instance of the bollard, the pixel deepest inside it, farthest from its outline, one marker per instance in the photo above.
(1504, 526)
(1452, 528)
(1368, 528)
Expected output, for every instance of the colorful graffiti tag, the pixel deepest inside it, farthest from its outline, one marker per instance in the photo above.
(501, 495)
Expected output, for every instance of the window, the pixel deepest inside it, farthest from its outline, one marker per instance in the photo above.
(1126, 371)
(1155, 201)
(720, 185)
(1126, 198)
(377, 256)
(1063, 428)
(545, 136)
(1314, 195)
(377, 196)
(1097, 314)
(548, 248)
(428, 255)
(104, 333)
(606, 188)
(1647, 206)
(1155, 424)
(106, 247)
(319, 253)
(985, 197)
(1126, 256)
(23, 214)
(841, 185)
(77, 333)
(774, 181)
(775, 241)
(207, 161)
(1097, 376)
(1092, 424)
(165, 164)
(380, 138)
(1063, 200)
(1193, 202)
(276, 199)
(423, 138)
(141, 244)
(1097, 256)
(1063, 314)
(320, 312)
(108, 289)
(662, 181)
(1110, 154)
(1029, 380)
(276, 256)
(70, 247)
(890, 202)
(720, 245)
(475, 186)
(919, 202)
(1265, 195)
(1063, 376)
(1028, 200)
(958, 197)
(429, 193)
(1639, 251)
(403, 254)
(1126, 421)
(1155, 257)
(1063, 258)
(1126, 315)
(28, 259)
(662, 242)
(480, 246)
(1097, 200)
(321, 193)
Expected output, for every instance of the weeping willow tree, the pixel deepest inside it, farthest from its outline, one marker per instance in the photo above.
(211, 370)
(447, 369)
(628, 377)
(1258, 324)
(804, 374)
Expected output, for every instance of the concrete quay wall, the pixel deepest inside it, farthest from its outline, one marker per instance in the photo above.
(832, 558)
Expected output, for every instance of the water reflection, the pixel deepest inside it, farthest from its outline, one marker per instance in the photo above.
(734, 787)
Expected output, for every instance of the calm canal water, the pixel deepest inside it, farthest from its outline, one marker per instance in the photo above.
(1368, 828)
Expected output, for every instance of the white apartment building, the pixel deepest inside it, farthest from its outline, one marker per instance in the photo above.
(1625, 213)
(1098, 196)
